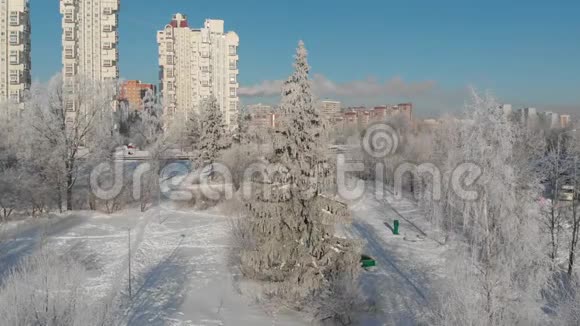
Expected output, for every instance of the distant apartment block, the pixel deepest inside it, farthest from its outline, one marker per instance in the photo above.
(529, 117)
(331, 110)
(89, 43)
(550, 120)
(362, 116)
(133, 92)
(564, 121)
(507, 109)
(262, 116)
(14, 50)
(197, 63)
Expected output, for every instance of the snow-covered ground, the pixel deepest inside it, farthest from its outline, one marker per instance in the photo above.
(179, 262)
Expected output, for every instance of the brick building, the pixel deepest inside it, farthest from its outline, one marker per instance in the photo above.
(133, 92)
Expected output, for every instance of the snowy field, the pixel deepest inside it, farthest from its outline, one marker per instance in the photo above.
(179, 265)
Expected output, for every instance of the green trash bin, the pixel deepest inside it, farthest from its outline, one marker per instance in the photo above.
(367, 261)
(396, 227)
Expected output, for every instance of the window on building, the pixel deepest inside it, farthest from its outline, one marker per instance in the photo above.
(233, 64)
(69, 52)
(68, 105)
(69, 70)
(233, 50)
(15, 96)
(14, 18)
(169, 59)
(14, 38)
(14, 57)
(68, 17)
(233, 92)
(14, 77)
(205, 68)
(169, 73)
(233, 78)
(69, 34)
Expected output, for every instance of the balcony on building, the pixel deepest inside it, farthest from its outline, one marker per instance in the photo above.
(15, 57)
(15, 18)
(69, 17)
(109, 45)
(109, 63)
(108, 11)
(15, 96)
(15, 77)
(233, 50)
(15, 38)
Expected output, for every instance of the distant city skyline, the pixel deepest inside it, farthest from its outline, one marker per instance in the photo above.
(377, 52)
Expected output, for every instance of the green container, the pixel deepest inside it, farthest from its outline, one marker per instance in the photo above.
(396, 227)
(367, 261)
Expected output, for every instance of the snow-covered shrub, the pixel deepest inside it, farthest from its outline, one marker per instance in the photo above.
(341, 302)
(47, 290)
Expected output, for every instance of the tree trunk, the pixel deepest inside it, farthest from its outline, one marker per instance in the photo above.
(69, 191)
(575, 226)
(59, 197)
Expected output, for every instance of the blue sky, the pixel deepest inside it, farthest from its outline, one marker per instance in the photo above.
(367, 52)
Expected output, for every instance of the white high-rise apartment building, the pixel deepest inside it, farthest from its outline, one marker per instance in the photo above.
(14, 49)
(198, 63)
(89, 41)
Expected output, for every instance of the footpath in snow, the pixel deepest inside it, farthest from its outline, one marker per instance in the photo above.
(409, 265)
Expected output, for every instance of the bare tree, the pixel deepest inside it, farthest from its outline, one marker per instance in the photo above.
(69, 128)
(553, 168)
(499, 267)
(574, 151)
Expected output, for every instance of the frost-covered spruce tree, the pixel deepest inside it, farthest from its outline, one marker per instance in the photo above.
(151, 117)
(213, 133)
(293, 244)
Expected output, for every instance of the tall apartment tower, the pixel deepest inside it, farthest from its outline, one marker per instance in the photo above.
(90, 38)
(197, 63)
(14, 50)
